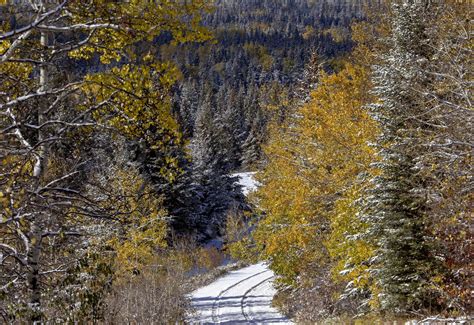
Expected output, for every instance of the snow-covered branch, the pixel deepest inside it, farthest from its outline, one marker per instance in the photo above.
(39, 93)
(13, 252)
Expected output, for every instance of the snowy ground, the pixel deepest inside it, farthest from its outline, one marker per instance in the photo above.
(241, 297)
(248, 183)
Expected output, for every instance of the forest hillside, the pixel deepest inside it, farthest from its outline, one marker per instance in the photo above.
(128, 131)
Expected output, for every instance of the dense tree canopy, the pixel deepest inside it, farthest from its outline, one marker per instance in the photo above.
(56, 125)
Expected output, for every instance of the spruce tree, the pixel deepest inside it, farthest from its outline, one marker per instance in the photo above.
(185, 107)
(252, 154)
(216, 190)
(396, 209)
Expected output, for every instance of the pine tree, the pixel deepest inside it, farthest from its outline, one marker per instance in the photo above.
(252, 154)
(217, 191)
(186, 103)
(229, 129)
(205, 145)
(395, 209)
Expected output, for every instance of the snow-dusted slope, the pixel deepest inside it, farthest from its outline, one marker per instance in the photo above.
(241, 297)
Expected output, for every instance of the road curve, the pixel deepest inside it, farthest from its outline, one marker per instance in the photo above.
(241, 297)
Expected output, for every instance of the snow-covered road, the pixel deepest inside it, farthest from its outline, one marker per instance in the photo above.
(240, 297)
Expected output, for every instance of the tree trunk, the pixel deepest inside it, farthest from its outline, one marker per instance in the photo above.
(34, 253)
(33, 273)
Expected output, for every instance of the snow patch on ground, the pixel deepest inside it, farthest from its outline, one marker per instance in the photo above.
(247, 181)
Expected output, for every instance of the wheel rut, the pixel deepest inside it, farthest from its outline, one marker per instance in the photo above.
(216, 304)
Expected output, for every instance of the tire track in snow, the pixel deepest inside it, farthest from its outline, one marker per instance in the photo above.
(221, 301)
(216, 304)
(244, 304)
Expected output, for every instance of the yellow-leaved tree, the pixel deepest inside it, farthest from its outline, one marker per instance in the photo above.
(142, 228)
(77, 77)
(309, 188)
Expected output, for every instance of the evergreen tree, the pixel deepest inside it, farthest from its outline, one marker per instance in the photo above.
(186, 102)
(252, 154)
(217, 191)
(396, 210)
(205, 146)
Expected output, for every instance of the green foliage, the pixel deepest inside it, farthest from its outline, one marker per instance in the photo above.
(397, 213)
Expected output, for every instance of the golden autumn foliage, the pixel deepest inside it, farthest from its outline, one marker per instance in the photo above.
(134, 100)
(54, 120)
(143, 227)
(123, 25)
(312, 179)
(368, 35)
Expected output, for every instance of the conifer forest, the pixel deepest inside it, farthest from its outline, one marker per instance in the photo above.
(236, 161)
